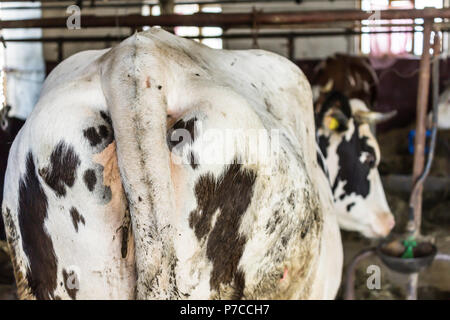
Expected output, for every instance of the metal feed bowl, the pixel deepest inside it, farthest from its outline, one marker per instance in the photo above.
(390, 252)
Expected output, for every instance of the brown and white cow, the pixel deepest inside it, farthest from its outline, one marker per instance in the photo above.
(344, 87)
(121, 185)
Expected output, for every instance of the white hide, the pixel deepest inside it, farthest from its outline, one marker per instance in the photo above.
(146, 78)
(443, 111)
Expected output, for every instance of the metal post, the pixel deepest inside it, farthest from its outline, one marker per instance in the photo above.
(60, 51)
(349, 293)
(228, 19)
(167, 7)
(291, 47)
(419, 143)
(265, 35)
(413, 281)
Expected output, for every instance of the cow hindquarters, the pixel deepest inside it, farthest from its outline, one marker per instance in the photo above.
(331, 259)
(138, 113)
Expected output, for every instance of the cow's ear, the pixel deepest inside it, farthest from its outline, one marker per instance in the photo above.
(335, 120)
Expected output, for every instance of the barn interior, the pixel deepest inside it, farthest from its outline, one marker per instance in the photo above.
(405, 43)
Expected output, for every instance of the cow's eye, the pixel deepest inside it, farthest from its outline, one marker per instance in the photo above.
(370, 160)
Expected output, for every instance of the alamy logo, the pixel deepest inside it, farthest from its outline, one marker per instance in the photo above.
(375, 17)
(374, 280)
(225, 146)
(73, 22)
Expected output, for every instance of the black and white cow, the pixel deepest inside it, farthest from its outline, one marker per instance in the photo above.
(9, 127)
(125, 181)
(344, 86)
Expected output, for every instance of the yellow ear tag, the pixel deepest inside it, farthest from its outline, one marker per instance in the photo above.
(333, 124)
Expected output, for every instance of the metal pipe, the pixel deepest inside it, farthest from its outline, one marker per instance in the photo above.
(203, 2)
(404, 184)
(349, 291)
(415, 203)
(224, 36)
(442, 257)
(228, 19)
(136, 4)
(64, 6)
(347, 26)
(291, 47)
(435, 94)
(60, 51)
(413, 281)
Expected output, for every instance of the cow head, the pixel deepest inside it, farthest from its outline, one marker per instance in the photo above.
(350, 75)
(352, 155)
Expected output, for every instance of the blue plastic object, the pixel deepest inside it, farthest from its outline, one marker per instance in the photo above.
(412, 135)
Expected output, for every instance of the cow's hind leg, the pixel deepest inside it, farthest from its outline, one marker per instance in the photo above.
(64, 209)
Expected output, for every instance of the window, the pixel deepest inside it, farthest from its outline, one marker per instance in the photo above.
(397, 43)
(210, 32)
(418, 36)
(215, 43)
(149, 10)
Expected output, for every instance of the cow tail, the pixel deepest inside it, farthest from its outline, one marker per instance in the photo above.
(138, 113)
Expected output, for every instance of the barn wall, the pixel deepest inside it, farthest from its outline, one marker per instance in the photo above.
(305, 47)
(312, 47)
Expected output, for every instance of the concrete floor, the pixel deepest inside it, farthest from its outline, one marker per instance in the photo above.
(7, 287)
